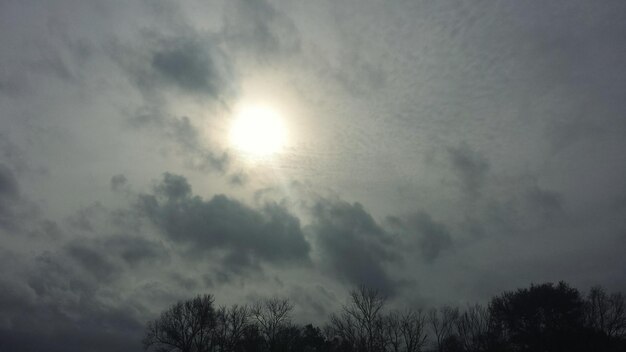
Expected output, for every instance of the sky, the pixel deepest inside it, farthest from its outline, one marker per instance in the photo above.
(439, 151)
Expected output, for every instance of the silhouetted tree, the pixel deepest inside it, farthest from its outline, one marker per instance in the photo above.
(185, 327)
(231, 325)
(476, 331)
(272, 316)
(605, 320)
(606, 313)
(252, 340)
(442, 323)
(405, 332)
(360, 324)
(542, 318)
(310, 339)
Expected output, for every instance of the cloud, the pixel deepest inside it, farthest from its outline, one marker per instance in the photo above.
(238, 178)
(433, 237)
(261, 29)
(470, 167)
(118, 182)
(248, 235)
(186, 61)
(9, 197)
(419, 232)
(183, 64)
(352, 245)
(8, 183)
(47, 304)
(546, 203)
(108, 257)
(188, 65)
(185, 137)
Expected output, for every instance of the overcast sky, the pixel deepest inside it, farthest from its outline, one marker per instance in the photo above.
(440, 151)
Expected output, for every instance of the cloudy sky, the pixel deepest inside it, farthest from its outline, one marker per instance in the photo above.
(440, 151)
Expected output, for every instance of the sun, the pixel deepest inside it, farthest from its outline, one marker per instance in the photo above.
(258, 131)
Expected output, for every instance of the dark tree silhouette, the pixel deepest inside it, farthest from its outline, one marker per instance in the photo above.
(405, 332)
(541, 318)
(186, 327)
(231, 326)
(360, 324)
(272, 317)
(606, 313)
(442, 323)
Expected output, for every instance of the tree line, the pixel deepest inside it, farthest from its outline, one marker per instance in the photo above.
(542, 318)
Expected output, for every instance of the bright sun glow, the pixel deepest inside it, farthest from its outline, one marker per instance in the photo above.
(258, 131)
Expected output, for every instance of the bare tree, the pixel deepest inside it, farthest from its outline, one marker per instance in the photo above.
(393, 332)
(413, 328)
(405, 332)
(272, 316)
(185, 327)
(442, 323)
(231, 325)
(606, 313)
(360, 323)
(473, 328)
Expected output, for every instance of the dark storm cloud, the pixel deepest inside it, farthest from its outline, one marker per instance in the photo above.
(248, 235)
(47, 304)
(352, 245)
(65, 292)
(471, 168)
(92, 261)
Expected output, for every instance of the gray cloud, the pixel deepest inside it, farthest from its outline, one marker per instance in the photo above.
(168, 66)
(433, 237)
(238, 179)
(9, 197)
(8, 184)
(190, 62)
(46, 302)
(185, 137)
(471, 168)
(352, 245)
(260, 28)
(188, 66)
(248, 235)
(545, 202)
(118, 182)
